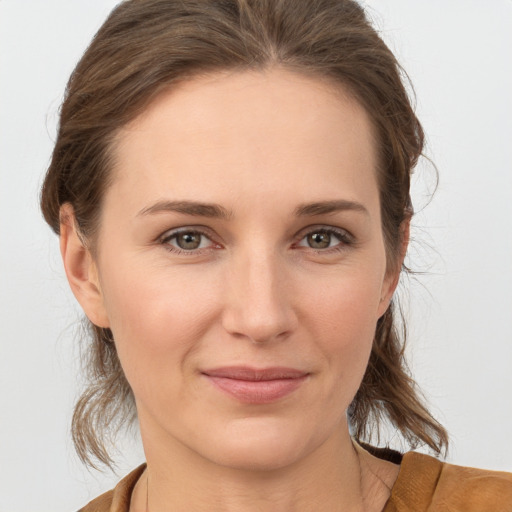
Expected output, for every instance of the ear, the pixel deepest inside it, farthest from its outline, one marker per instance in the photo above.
(392, 276)
(80, 268)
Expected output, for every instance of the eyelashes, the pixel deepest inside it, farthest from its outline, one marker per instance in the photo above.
(189, 241)
(322, 239)
(193, 241)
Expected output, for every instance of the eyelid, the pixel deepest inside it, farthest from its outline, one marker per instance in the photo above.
(168, 235)
(342, 232)
(346, 238)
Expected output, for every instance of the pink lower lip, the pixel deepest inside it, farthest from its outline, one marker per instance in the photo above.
(257, 391)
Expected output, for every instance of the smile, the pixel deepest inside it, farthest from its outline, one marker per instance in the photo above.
(256, 386)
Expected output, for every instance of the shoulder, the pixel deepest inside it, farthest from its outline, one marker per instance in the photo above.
(426, 484)
(474, 489)
(118, 499)
(100, 504)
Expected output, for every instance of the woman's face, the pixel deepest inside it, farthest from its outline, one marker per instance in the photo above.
(241, 265)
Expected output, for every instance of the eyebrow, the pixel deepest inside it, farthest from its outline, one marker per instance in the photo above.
(326, 207)
(212, 210)
(194, 208)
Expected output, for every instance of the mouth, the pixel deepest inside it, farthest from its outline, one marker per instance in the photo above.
(256, 386)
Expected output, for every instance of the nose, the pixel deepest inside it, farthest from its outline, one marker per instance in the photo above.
(259, 304)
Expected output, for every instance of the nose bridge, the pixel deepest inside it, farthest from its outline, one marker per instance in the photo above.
(258, 305)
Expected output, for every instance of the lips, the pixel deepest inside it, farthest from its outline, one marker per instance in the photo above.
(256, 386)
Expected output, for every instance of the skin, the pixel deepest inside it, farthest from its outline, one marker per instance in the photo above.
(261, 145)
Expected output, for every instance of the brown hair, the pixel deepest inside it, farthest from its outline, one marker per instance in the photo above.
(146, 46)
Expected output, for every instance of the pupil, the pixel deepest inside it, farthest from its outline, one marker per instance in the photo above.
(189, 240)
(319, 240)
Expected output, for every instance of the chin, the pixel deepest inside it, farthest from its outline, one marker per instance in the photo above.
(260, 455)
(252, 444)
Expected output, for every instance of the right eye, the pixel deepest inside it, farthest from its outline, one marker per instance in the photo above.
(187, 241)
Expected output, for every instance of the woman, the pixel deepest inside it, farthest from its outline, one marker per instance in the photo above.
(230, 184)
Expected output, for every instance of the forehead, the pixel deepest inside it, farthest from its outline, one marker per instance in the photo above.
(252, 133)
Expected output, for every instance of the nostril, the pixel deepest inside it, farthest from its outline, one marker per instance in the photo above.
(258, 304)
(259, 325)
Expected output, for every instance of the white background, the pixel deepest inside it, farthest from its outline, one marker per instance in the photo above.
(458, 55)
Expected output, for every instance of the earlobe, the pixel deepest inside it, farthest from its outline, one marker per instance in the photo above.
(81, 269)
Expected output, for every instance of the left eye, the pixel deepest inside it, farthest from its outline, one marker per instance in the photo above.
(187, 240)
(322, 239)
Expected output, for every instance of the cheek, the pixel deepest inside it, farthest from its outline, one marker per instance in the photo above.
(343, 318)
(347, 300)
(157, 318)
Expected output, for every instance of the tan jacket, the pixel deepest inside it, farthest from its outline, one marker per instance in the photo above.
(424, 484)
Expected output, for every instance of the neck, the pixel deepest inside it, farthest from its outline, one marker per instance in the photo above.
(333, 478)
